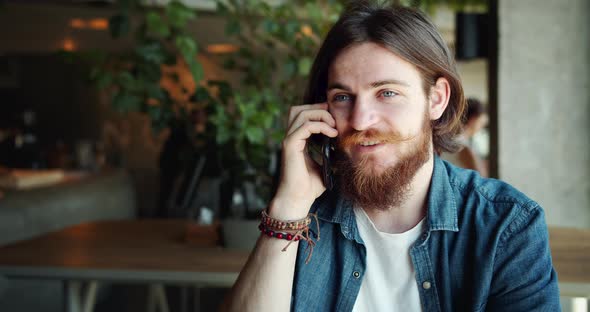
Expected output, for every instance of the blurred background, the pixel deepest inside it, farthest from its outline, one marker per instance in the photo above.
(123, 111)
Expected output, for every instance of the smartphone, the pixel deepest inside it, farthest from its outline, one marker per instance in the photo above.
(327, 174)
(326, 148)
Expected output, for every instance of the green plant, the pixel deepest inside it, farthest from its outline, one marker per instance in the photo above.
(143, 79)
(276, 49)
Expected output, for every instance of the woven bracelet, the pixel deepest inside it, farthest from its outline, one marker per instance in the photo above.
(294, 225)
(277, 229)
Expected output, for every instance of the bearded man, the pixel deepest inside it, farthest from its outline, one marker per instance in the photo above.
(402, 230)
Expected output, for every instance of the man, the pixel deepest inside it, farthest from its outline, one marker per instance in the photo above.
(402, 230)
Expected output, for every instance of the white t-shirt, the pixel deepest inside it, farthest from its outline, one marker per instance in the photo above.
(389, 283)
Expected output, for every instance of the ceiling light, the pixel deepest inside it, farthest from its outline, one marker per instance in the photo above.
(77, 23)
(69, 45)
(99, 23)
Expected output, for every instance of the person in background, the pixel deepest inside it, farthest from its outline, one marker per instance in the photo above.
(468, 157)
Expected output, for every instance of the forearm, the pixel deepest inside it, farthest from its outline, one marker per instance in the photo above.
(266, 280)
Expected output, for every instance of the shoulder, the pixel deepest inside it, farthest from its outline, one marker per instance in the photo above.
(490, 200)
(469, 183)
(508, 223)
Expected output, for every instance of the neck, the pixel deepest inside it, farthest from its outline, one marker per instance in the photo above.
(402, 218)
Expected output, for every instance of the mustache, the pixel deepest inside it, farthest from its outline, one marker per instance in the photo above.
(356, 137)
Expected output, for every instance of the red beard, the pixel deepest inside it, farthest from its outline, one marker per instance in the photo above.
(389, 188)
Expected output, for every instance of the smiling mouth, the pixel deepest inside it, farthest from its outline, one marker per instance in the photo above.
(370, 143)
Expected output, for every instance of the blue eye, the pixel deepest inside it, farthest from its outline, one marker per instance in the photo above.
(388, 94)
(341, 97)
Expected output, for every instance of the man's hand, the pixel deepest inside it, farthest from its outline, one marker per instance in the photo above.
(301, 181)
(267, 279)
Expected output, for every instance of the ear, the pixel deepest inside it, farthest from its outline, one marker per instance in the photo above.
(439, 97)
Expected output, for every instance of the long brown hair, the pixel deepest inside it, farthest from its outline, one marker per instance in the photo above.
(409, 34)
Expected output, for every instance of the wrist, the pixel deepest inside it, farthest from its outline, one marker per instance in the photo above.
(284, 209)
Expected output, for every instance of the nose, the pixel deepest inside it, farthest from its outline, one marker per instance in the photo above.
(364, 115)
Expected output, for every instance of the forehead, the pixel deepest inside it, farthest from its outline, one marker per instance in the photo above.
(368, 62)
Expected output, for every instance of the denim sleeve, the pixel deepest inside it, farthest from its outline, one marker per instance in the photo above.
(524, 278)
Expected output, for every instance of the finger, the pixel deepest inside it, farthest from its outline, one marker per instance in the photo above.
(300, 135)
(295, 110)
(311, 115)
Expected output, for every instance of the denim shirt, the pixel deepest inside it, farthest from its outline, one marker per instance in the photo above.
(485, 248)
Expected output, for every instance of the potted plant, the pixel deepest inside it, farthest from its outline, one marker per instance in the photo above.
(276, 46)
(162, 78)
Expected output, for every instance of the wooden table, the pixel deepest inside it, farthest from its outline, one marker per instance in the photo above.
(155, 251)
(570, 250)
(144, 251)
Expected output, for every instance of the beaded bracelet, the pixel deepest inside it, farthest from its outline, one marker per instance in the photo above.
(295, 225)
(279, 235)
(281, 229)
(283, 235)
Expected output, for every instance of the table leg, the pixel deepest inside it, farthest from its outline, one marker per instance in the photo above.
(197, 299)
(184, 298)
(157, 298)
(72, 296)
(78, 299)
(90, 296)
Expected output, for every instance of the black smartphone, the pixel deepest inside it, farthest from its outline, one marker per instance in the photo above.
(326, 148)
(327, 174)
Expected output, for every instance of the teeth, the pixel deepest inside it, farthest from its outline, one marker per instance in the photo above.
(369, 143)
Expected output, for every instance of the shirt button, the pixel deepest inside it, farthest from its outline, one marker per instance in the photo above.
(356, 274)
(426, 285)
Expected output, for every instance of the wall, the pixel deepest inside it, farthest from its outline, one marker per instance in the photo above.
(544, 104)
(474, 76)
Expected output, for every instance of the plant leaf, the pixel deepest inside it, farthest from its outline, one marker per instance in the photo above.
(151, 52)
(154, 91)
(270, 26)
(156, 25)
(290, 67)
(188, 49)
(149, 71)
(179, 14)
(255, 134)
(304, 66)
(196, 70)
(126, 80)
(187, 46)
(125, 102)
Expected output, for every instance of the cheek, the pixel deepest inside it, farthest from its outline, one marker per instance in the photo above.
(341, 116)
(405, 121)
(396, 117)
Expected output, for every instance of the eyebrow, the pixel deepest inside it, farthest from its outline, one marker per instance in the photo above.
(373, 85)
(378, 84)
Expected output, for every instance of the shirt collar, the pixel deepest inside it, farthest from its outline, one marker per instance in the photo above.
(442, 206)
(441, 214)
